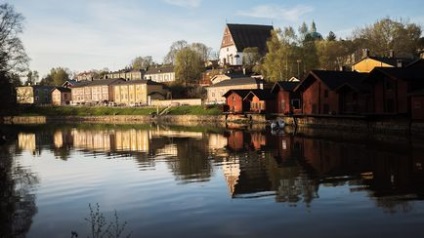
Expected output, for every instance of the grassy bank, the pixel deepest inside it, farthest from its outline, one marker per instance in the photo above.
(104, 111)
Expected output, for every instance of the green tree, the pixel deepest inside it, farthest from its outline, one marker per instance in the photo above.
(251, 57)
(386, 35)
(202, 50)
(335, 54)
(331, 36)
(189, 66)
(272, 67)
(57, 77)
(173, 50)
(140, 62)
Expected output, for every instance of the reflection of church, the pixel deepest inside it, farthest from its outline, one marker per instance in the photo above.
(293, 167)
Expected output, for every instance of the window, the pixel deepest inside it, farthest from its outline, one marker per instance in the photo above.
(326, 93)
(295, 103)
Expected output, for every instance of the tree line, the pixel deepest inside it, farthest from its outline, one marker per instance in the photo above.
(294, 53)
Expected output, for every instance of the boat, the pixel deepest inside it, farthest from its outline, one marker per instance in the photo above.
(277, 124)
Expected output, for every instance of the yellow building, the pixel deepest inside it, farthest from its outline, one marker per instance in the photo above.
(61, 96)
(138, 92)
(93, 92)
(368, 63)
(34, 94)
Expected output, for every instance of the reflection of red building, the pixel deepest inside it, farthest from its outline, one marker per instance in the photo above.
(236, 140)
(258, 140)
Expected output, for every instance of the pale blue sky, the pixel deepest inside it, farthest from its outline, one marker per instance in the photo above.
(94, 34)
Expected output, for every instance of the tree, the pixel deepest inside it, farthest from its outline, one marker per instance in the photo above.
(251, 57)
(140, 62)
(57, 77)
(189, 66)
(13, 58)
(202, 50)
(331, 36)
(272, 65)
(15, 79)
(386, 35)
(12, 52)
(175, 47)
(32, 77)
(335, 54)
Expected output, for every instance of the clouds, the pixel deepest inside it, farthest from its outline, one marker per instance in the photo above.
(277, 12)
(184, 3)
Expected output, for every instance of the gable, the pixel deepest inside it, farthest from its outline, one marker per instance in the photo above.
(245, 35)
(368, 64)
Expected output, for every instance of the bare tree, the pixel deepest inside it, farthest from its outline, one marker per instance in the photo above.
(140, 62)
(12, 52)
(175, 47)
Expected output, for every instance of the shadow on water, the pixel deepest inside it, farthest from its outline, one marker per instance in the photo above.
(17, 200)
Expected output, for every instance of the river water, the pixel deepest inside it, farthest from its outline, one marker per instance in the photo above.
(164, 181)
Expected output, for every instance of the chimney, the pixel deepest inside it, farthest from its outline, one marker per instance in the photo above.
(366, 53)
(399, 63)
(391, 54)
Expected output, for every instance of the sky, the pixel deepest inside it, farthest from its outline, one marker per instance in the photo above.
(82, 35)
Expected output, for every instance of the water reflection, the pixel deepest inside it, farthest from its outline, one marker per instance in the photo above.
(255, 163)
(17, 200)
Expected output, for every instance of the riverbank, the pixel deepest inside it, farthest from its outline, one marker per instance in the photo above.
(382, 124)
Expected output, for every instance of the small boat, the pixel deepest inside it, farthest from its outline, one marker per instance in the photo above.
(277, 124)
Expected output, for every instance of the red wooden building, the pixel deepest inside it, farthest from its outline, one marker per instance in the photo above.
(260, 101)
(417, 105)
(287, 101)
(234, 101)
(333, 92)
(393, 87)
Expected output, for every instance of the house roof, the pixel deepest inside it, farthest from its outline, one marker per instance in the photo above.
(408, 74)
(419, 63)
(160, 69)
(284, 85)
(63, 89)
(334, 80)
(242, 92)
(261, 94)
(248, 35)
(392, 60)
(138, 81)
(237, 81)
(97, 82)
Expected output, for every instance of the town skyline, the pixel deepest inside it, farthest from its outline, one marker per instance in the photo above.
(82, 36)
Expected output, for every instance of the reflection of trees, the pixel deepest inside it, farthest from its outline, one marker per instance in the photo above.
(392, 173)
(17, 204)
(293, 179)
(191, 162)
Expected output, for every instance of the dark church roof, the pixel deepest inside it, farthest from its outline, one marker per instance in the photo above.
(248, 35)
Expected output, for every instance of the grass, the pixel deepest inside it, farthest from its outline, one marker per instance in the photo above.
(105, 111)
